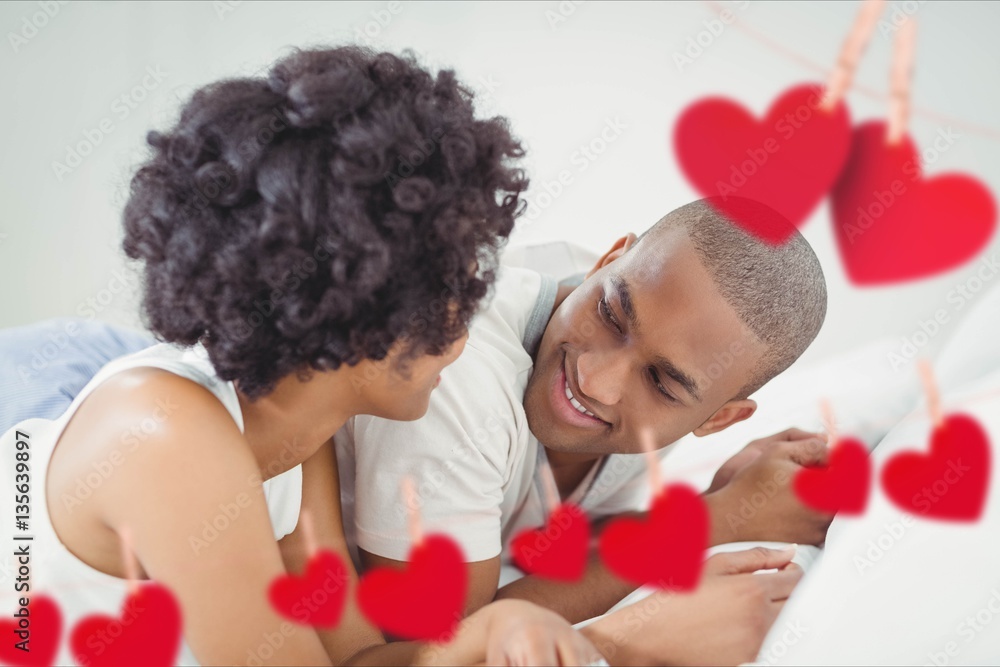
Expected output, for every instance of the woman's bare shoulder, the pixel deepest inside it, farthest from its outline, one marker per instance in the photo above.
(157, 422)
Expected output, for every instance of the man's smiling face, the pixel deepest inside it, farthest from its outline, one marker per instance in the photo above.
(646, 343)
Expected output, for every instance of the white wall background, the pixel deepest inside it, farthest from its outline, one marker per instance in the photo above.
(558, 82)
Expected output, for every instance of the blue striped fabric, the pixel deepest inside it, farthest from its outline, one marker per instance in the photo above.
(43, 366)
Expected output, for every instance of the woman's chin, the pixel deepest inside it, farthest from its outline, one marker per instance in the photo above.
(411, 410)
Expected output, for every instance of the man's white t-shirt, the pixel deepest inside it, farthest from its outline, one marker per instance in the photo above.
(473, 461)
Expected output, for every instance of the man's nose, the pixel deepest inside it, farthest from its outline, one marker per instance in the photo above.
(601, 375)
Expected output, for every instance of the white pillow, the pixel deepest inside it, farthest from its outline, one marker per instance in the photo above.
(973, 349)
(895, 589)
(867, 396)
(559, 259)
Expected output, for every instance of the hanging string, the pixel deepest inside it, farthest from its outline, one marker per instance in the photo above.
(413, 510)
(308, 532)
(810, 64)
(652, 461)
(933, 395)
(829, 423)
(128, 560)
(850, 54)
(900, 76)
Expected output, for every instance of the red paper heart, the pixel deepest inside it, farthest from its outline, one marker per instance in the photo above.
(424, 601)
(668, 549)
(148, 632)
(789, 160)
(557, 551)
(892, 224)
(843, 485)
(45, 626)
(317, 597)
(951, 480)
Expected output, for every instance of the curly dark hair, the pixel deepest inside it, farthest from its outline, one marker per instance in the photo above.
(349, 201)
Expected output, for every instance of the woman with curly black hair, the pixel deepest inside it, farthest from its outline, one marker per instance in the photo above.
(314, 245)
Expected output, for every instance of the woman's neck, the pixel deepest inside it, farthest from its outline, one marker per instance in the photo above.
(286, 426)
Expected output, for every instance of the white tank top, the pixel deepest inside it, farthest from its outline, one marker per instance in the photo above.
(77, 588)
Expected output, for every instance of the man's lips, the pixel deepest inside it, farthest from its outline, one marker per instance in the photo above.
(562, 406)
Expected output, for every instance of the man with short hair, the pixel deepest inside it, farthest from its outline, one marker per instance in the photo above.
(668, 334)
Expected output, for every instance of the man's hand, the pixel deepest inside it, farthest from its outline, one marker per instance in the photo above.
(749, 454)
(723, 622)
(751, 497)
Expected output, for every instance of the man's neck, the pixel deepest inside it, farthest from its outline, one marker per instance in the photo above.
(569, 470)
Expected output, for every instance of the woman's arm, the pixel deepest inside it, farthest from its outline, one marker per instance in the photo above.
(355, 641)
(192, 475)
(494, 633)
(321, 500)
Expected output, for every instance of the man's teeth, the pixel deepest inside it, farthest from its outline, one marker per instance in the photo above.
(576, 404)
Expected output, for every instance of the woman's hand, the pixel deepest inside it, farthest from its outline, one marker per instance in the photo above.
(512, 632)
(723, 622)
(522, 633)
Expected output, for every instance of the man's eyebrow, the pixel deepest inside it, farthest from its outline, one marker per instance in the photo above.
(679, 376)
(665, 365)
(625, 299)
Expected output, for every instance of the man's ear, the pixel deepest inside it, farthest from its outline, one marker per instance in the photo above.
(729, 414)
(617, 250)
